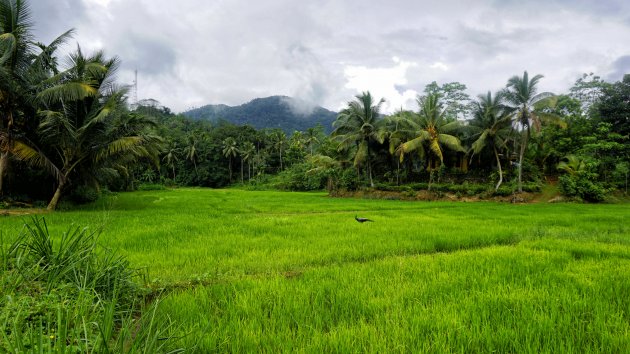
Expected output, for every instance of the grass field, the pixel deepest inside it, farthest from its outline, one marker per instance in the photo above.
(269, 271)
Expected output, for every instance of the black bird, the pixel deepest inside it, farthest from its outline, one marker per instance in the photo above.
(361, 220)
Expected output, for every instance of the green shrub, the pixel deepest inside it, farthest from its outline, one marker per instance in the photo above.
(348, 179)
(582, 186)
(151, 187)
(504, 191)
(300, 177)
(532, 187)
(84, 194)
(418, 186)
(468, 189)
(392, 187)
(459, 189)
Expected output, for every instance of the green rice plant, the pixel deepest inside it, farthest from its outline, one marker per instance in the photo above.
(72, 298)
(251, 271)
(492, 299)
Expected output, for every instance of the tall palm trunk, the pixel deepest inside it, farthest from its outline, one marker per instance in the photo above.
(4, 156)
(242, 179)
(280, 151)
(55, 199)
(369, 165)
(4, 163)
(520, 159)
(230, 168)
(496, 154)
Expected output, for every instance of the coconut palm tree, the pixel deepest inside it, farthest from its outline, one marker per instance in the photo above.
(191, 151)
(230, 150)
(171, 157)
(428, 131)
(259, 162)
(357, 125)
(46, 59)
(312, 138)
(247, 153)
(86, 132)
(16, 53)
(297, 140)
(395, 135)
(279, 142)
(21, 69)
(491, 124)
(521, 93)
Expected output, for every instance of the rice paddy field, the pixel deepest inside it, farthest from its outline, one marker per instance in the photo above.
(247, 271)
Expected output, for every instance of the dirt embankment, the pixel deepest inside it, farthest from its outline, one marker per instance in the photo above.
(424, 195)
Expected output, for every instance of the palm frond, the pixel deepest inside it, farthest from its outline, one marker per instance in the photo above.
(544, 99)
(480, 143)
(449, 127)
(451, 142)
(15, 16)
(45, 59)
(54, 124)
(61, 39)
(434, 146)
(414, 144)
(16, 21)
(550, 118)
(8, 45)
(347, 141)
(102, 112)
(71, 91)
(110, 173)
(572, 164)
(322, 162)
(34, 157)
(128, 143)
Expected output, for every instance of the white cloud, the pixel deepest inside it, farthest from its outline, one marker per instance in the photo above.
(194, 52)
(383, 83)
(97, 2)
(440, 66)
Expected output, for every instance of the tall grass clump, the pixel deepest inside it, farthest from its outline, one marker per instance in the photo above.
(65, 294)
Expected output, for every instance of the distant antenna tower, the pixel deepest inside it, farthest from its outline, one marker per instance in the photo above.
(135, 88)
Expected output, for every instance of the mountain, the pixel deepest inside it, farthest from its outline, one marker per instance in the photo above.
(286, 113)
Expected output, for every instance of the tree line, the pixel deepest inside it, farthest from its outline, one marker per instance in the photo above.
(517, 136)
(68, 130)
(582, 136)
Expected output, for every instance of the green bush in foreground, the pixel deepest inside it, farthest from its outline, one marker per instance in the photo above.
(65, 294)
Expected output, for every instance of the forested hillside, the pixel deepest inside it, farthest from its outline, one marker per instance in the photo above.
(286, 113)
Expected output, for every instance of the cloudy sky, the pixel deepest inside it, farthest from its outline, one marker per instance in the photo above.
(193, 52)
